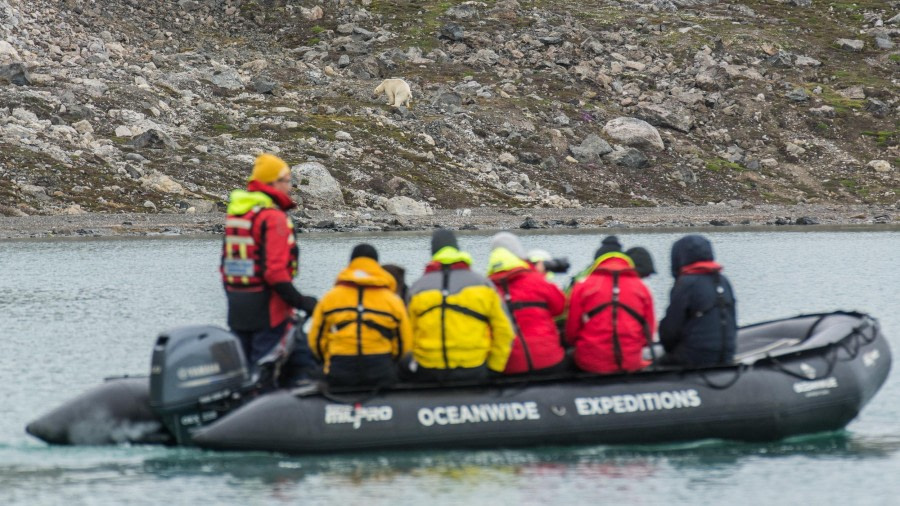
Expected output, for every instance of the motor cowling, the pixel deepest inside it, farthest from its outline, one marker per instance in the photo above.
(197, 375)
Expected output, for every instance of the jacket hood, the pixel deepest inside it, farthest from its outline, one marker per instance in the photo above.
(503, 260)
(508, 241)
(613, 261)
(690, 249)
(450, 255)
(242, 201)
(363, 271)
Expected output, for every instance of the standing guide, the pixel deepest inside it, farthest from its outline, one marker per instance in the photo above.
(259, 262)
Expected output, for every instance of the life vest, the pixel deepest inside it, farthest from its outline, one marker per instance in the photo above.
(502, 265)
(445, 306)
(724, 305)
(243, 258)
(614, 305)
(389, 333)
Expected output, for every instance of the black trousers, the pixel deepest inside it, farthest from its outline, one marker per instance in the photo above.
(411, 371)
(361, 370)
(299, 365)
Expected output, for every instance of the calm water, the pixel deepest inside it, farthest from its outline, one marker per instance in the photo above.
(72, 312)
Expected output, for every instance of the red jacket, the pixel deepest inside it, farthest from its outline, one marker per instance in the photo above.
(535, 322)
(593, 338)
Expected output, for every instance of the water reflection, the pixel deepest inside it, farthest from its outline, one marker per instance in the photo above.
(610, 462)
(532, 476)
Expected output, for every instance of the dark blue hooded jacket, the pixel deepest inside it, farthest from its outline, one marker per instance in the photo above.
(700, 325)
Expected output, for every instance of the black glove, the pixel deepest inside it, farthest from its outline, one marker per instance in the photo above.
(308, 303)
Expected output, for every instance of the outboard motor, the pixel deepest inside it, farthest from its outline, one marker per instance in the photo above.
(197, 374)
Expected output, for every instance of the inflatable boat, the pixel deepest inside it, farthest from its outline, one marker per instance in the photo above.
(799, 375)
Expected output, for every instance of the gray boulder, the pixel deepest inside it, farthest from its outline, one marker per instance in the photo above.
(15, 73)
(226, 78)
(452, 31)
(263, 84)
(629, 157)
(153, 139)
(405, 206)
(850, 44)
(634, 132)
(365, 68)
(676, 118)
(317, 185)
(797, 95)
(590, 149)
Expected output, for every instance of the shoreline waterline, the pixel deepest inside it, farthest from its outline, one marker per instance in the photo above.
(476, 220)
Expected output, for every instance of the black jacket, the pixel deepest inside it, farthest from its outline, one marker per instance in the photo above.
(700, 325)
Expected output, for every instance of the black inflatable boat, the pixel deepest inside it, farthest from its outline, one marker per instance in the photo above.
(798, 375)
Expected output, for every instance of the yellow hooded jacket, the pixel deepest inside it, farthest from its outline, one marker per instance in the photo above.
(361, 315)
(457, 316)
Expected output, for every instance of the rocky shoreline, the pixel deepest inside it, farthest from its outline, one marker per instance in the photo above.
(95, 225)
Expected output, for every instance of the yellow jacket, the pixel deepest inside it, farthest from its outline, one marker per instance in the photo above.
(457, 316)
(361, 315)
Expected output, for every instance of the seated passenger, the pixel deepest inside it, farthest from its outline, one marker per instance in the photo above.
(460, 328)
(399, 274)
(700, 325)
(611, 316)
(532, 302)
(643, 262)
(607, 245)
(546, 264)
(360, 328)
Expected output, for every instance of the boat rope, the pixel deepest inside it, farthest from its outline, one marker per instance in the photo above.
(830, 359)
(738, 371)
(852, 343)
(860, 338)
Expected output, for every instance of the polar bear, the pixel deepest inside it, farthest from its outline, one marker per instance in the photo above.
(396, 90)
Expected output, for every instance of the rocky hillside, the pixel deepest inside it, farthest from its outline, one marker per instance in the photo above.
(161, 105)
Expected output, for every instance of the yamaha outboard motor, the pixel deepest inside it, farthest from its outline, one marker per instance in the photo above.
(197, 375)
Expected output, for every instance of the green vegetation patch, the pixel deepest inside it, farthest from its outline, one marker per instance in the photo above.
(721, 165)
(831, 97)
(884, 137)
(422, 17)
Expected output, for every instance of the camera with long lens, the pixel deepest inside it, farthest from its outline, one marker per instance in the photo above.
(558, 265)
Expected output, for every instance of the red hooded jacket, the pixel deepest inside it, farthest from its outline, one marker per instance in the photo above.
(595, 349)
(274, 254)
(533, 302)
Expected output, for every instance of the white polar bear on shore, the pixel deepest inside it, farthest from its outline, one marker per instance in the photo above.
(396, 90)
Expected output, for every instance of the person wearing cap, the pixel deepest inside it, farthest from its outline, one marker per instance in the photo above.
(700, 325)
(399, 274)
(537, 257)
(532, 302)
(460, 328)
(259, 262)
(360, 327)
(611, 315)
(643, 262)
(609, 244)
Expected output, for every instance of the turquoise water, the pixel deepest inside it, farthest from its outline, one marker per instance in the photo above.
(73, 312)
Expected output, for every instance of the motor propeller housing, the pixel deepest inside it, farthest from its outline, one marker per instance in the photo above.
(197, 374)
